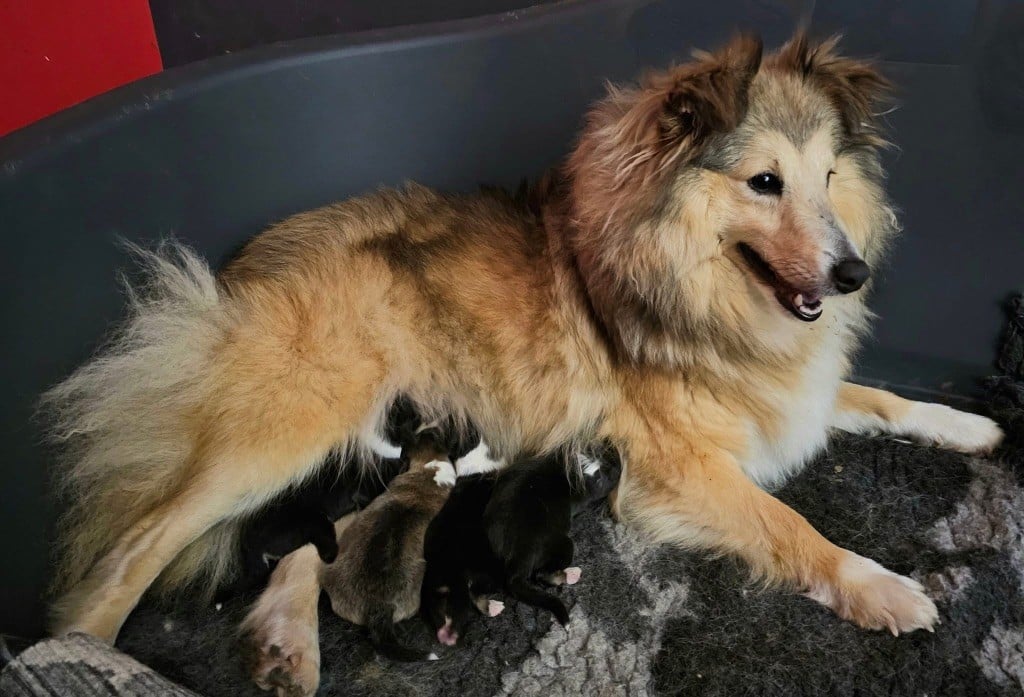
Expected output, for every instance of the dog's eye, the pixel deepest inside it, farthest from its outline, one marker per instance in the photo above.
(766, 183)
(828, 178)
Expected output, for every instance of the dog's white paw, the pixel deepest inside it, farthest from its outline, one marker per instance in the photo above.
(871, 596)
(495, 608)
(572, 575)
(945, 427)
(445, 474)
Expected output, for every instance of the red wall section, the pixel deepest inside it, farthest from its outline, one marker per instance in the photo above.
(55, 53)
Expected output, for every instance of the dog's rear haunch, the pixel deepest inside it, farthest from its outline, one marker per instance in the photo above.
(685, 285)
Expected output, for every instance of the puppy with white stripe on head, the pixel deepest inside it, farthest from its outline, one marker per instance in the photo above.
(502, 531)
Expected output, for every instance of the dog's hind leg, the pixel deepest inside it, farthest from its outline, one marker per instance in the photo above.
(868, 410)
(239, 469)
(701, 498)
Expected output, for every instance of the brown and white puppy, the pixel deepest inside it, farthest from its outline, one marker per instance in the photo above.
(375, 580)
(686, 285)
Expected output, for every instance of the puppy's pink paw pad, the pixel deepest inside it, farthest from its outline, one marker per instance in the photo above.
(494, 608)
(572, 575)
(446, 635)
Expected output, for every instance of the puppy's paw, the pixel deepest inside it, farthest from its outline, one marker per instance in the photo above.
(572, 575)
(872, 597)
(445, 472)
(945, 427)
(495, 608)
(446, 635)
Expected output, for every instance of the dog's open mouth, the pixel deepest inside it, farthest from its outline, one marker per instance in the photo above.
(804, 305)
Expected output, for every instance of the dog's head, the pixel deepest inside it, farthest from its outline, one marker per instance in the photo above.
(728, 196)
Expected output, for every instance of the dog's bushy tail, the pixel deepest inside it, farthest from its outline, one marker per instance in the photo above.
(121, 421)
(380, 623)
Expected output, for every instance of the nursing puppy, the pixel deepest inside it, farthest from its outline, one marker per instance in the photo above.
(690, 283)
(502, 531)
(306, 513)
(375, 581)
(307, 516)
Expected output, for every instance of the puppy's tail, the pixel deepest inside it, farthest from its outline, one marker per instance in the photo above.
(381, 625)
(122, 420)
(519, 589)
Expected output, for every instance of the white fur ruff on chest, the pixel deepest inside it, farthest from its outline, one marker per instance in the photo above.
(805, 416)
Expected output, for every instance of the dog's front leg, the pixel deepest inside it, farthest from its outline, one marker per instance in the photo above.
(867, 410)
(699, 497)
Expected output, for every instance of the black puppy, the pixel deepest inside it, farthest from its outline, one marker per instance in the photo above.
(306, 514)
(501, 531)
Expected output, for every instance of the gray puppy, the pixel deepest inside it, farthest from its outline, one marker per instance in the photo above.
(375, 580)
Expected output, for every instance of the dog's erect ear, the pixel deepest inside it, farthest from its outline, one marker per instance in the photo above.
(636, 135)
(708, 95)
(854, 86)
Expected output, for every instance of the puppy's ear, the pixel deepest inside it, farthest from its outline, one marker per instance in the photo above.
(855, 87)
(709, 95)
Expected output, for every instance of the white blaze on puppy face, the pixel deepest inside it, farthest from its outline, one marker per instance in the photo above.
(477, 460)
(445, 474)
(589, 465)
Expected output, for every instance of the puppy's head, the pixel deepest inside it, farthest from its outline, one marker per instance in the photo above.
(600, 468)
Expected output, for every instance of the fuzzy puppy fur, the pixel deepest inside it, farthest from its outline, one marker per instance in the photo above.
(375, 581)
(307, 512)
(307, 516)
(503, 531)
(685, 285)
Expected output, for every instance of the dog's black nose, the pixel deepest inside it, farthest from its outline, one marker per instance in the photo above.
(850, 274)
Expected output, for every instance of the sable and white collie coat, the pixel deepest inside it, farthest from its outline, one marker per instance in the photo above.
(690, 285)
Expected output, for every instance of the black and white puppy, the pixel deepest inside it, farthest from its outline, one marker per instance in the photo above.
(503, 531)
(306, 513)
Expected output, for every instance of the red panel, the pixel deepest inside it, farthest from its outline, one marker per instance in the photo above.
(55, 53)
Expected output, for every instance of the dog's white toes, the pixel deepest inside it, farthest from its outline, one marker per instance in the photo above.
(572, 575)
(873, 597)
(945, 427)
(495, 608)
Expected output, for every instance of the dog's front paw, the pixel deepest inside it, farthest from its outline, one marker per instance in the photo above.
(872, 597)
(945, 427)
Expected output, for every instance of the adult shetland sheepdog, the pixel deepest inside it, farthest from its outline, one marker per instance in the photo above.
(690, 285)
